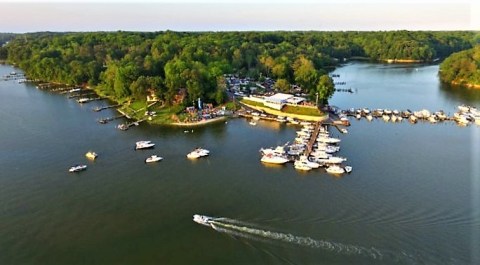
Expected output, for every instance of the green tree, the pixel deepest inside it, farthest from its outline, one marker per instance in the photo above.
(325, 88)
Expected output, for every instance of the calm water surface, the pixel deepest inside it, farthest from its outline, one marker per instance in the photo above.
(413, 197)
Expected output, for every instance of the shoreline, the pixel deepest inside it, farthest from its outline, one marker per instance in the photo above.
(467, 85)
(295, 116)
(198, 123)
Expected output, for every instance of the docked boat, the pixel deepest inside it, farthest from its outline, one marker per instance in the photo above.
(332, 160)
(369, 117)
(279, 150)
(83, 100)
(301, 165)
(274, 159)
(253, 123)
(77, 168)
(144, 145)
(122, 127)
(307, 162)
(335, 169)
(153, 158)
(91, 155)
(464, 108)
(328, 140)
(413, 119)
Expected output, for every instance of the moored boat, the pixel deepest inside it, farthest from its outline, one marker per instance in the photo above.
(274, 159)
(153, 158)
(77, 168)
(144, 145)
(335, 169)
(91, 155)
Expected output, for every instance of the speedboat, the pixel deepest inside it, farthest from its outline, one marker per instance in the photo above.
(153, 158)
(274, 159)
(304, 160)
(253, 123)
(203, 219)
(279, 150)
(335, 169)
(91, 155)
(144, 145)
(77, 168)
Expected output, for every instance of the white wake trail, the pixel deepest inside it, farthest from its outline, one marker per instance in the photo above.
(253, 233)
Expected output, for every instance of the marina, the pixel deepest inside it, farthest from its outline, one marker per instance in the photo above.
(405, 184)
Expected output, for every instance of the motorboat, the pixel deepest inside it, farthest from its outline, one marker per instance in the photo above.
(302, 165)
(91, 155)
(386, 117)
(203, 219)
(335, 169)
(77, 168)
(328, 140)
(332, 160)
(369, 117)
(274, 159)
(309, 163)
(144, 145)
(279, 150)
(198, 152)
(83, 100)
(464, 108)
(413, 119)
(348, 169)
(153, 158)
(253, 123)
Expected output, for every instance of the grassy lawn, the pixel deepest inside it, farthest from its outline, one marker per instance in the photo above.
(252, 103)
(302, 110)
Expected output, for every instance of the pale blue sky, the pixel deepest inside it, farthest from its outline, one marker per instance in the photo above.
(218, 15)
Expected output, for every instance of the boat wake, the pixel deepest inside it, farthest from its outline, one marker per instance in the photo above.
(246, 230)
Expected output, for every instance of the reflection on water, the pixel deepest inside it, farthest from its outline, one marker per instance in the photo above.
(469, 96)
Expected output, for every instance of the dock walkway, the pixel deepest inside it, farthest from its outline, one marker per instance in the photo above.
(313, 138)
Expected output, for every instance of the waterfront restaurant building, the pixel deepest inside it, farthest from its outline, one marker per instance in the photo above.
(278, 100)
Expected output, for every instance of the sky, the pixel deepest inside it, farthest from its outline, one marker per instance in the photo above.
(234, 15)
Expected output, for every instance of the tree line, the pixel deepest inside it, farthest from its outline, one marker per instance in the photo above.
(128, 65)
(462, 67)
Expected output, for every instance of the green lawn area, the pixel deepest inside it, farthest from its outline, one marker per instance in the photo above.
(252, 103)
(302, 110)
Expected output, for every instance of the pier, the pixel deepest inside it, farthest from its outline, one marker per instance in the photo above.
(313, 139)
(106, 120)
(97, 109)
(126, 126)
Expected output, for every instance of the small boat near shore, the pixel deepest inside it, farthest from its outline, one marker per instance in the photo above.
(77, 168)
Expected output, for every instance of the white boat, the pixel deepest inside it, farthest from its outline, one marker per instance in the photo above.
(144, 145)
(394, 118)
(153, 158)
(343, 130)
(77, 168)
(253, 123)
(198, 152)
(332, 160)
(91, 155)
(301, 165)
(255, 118)
(348, 169)
(432, 119)
(369, 117)
(328, 140)
(464, 108)
(83, 100)
(279, 150)
(320, 155)
(335, 169)
(413, 119)
(203, 219)
(274, 159)
(307, 162)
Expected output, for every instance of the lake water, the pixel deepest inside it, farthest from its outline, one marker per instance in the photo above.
(413, 196)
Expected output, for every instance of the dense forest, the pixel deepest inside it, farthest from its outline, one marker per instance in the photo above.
(462, 68)
(127, 65)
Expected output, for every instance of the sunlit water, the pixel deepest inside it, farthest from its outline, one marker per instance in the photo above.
(412, 198)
